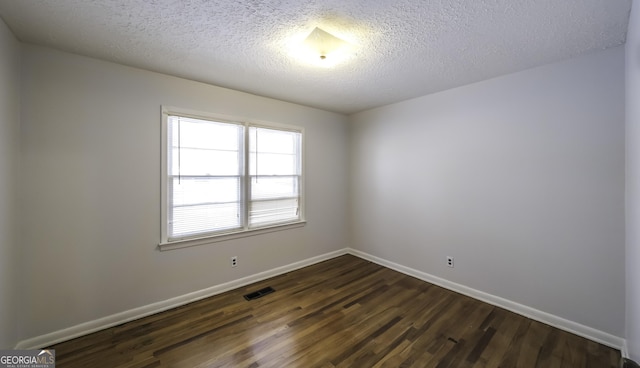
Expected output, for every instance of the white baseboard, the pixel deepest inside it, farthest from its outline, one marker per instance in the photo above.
(625, 350)
(86, 328)
(540, 316)
(136, 313)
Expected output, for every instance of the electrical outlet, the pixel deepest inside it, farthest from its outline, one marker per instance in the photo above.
(450, 261)
(234, 261)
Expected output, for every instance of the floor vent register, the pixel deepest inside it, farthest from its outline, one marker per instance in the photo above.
(260, 293)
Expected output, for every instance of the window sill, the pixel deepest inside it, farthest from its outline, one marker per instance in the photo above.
(223, 237)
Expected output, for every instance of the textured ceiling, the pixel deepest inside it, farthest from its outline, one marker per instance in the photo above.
(404, 48)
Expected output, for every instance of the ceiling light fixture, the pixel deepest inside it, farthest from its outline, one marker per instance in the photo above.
(324, 43)
(321, 48)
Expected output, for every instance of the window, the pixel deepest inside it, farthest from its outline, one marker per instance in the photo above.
(222, 177)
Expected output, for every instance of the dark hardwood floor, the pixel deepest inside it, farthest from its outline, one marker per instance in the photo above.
(345, 312)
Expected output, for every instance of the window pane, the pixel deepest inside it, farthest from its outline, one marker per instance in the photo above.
(189, 191)
(201, 147)
(273, 152)
(273, 164)
(204, 205)
(273, 140)
(196, 133)
(193, 220)
(204, 176)
(189, 161)
(274, 187)
(272, 212)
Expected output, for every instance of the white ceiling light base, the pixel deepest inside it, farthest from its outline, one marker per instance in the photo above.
(323, 49)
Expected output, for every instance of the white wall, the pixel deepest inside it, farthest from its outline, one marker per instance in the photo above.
(91, 136)
(520, 178)
(9, 159)
(633, 182)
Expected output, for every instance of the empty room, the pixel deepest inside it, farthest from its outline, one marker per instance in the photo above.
(209, 183)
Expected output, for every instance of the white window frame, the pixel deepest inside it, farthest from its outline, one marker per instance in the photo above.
(165, 242)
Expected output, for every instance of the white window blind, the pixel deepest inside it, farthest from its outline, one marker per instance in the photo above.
(225, 177)
(275, 169)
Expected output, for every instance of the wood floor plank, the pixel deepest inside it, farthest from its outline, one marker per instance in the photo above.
(345, 312)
